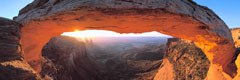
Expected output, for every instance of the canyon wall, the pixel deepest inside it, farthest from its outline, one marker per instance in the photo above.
(180, 18)
(12, 64)
(66, 58)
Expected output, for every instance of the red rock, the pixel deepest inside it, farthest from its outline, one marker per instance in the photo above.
(183, 61)
(180, 18)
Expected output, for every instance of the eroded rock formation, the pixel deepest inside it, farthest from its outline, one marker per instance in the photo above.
(12, 65)
(66, 58)
(134, 64)
(183, 61)
(180, 18)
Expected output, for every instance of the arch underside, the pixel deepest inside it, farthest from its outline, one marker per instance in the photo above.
(209, 33)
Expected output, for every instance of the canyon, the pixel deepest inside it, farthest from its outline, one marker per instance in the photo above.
(66, 58)
(91, 61)
(73, 59)
(23, 38)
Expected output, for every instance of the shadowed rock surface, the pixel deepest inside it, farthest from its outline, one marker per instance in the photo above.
(66, 58)
(183, 61)
(12, 65)
(10, 48)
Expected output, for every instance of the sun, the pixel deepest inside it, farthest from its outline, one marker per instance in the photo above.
(91, 33)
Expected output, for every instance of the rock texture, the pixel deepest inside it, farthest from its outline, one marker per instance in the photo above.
(67, 59)
(183, 61)
(237, 62)
(180, 18)
(236, 36)
(134, 64)
(12, 65)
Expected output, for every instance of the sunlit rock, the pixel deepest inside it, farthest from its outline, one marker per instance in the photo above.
(236, 36)
(183, 61)
(180, 18)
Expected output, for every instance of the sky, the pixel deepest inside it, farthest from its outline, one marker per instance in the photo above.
(227, 10)
(106, 33)
(10, 8)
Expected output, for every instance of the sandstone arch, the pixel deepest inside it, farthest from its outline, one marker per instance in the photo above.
(43, 19)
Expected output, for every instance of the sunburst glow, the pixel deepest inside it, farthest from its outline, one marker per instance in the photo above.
(106, 33)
